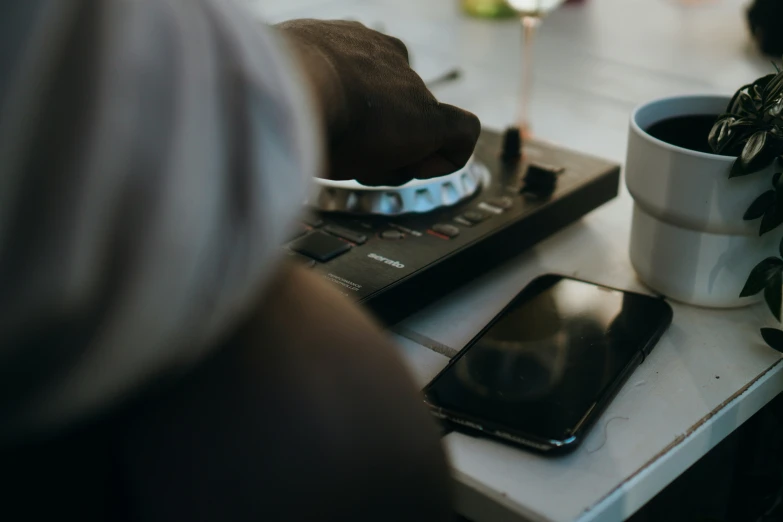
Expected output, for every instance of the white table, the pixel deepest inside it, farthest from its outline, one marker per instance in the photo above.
(711, 371)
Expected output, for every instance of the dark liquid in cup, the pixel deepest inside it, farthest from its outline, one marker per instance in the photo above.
(689, 132)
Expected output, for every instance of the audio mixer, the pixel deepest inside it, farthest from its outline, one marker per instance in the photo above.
(397, 249)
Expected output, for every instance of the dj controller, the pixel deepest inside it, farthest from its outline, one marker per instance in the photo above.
(397, 249)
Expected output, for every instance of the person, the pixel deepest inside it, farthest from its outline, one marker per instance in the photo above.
(760, 15)
(161, 359)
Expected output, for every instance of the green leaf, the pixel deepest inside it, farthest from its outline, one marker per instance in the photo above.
(737, 169)
(773, 337)
(747, 104)
(733, 103)
(775, 87)
(780, 248)
(725, 115)
(754, 147)
(729, 131)
(731, 144)
(760, 206)
(759, 152)
(773, 294)
(775, 179)
(742, 122)
(773, 217)
(759, 86)
(776, 108)
(761, 274)
(719, 133)
(764, 80)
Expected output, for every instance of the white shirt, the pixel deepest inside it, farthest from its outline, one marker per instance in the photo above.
(153, 155)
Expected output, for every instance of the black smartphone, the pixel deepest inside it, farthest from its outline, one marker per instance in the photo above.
(543, 370)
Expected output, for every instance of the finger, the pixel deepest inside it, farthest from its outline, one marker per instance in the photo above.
(400, 46)
(430, 167)
(358, 167)
(457, 132)
(367, 172)
(384, 179)
(460, 131)
(347, 22)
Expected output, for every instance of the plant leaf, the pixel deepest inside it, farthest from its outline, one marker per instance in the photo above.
(737, 169)
(773, 337)
(742, 122)
(761, 274)
(734, 140)
(772, 217)
(759, 86)
(733, 103)
(754, 147)
(775, 179)
(776, 108)
(719, 133)
(758, 92)
(763, 81)
(780, 248)
(759, 152)
(760, 206)
(747, 104)
(773, 294)
(728, 130)
(775, 87)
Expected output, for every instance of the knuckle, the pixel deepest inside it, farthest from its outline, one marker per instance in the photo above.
(468, 123)
(474, 124)
(399, 45)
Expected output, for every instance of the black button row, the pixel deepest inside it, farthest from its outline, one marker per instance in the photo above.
(475, 216)
(502, 202)
(449, 231)
(392, 234)
(485, 210)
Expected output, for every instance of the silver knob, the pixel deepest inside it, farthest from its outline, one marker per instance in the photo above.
(416, 196)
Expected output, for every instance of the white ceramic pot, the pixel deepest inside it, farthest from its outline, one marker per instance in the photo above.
(688, 239)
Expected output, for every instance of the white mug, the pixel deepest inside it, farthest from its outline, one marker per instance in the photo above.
(688, 239)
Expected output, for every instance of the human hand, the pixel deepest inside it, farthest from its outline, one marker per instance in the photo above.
(384, 126)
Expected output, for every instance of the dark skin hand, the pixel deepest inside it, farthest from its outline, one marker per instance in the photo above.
(384, 127)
